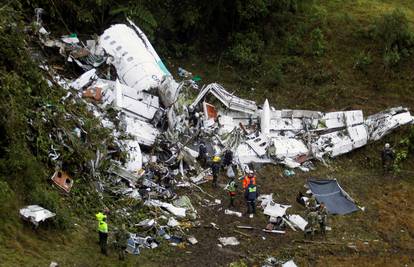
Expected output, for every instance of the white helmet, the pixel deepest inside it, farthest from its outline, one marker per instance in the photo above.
(387, 145)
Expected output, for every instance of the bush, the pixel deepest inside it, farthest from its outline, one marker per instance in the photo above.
(393, 30)
(362, 61)
(317, 42)
(246, 49)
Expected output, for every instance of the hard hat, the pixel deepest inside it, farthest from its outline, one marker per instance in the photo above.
(197, 115)
(216, 159)
(387, 145)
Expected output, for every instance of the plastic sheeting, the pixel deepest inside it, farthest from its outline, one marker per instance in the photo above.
(336, 200)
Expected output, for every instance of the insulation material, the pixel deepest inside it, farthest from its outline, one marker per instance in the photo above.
(93, 92)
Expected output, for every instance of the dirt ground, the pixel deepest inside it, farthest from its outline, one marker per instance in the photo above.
(381, 235)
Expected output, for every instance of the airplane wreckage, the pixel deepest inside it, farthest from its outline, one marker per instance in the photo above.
(154, 109)
(162, 122)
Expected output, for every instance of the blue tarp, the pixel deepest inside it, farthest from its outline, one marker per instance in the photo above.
(336, 200)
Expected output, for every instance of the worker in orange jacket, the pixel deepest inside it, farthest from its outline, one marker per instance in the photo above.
(246, 180)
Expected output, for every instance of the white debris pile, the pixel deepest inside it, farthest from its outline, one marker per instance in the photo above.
(35, 214)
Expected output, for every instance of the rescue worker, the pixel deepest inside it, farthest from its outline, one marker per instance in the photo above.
(228, 157)
(247, 178)
(312, 205)
(103, 235)
(202, 154)
(250, 195)
(231, 189)
(310, 228)
(387, 156)
(121, 238)
(322, 217)
(215, 168)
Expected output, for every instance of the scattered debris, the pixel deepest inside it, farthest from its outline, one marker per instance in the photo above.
(230, 212)
(192, 240)
(35, 214)
(229, 241)
(62, 180)
(298, 221)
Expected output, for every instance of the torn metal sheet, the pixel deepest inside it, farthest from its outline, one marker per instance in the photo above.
(179, 212)
(35, 214)
(289, 147)
(134, 160)
(229, 100)
(275, 210)
(138, 104)
(298, 221)
(168, 91)
(259, 144)
(85, 79)
(145, 133)
(384, 122)
(340, 142)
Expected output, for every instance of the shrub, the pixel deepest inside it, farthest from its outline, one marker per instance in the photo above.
(317, 42)
(246, 49)
(362, 61)
(393, 30)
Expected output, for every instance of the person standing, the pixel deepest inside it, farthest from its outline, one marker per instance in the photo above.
(202, 154)
(322, 217)
(310, 228)
(103, 235)
(387, 156)
(215, 168)
(250, 177)
(250, 195)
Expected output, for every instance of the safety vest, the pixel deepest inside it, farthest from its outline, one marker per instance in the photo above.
(100, 216)
(252, 189)
(232, 186)
(246, 181)
(103, 227)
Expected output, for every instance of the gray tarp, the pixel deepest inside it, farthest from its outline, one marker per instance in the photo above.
(336, 200)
